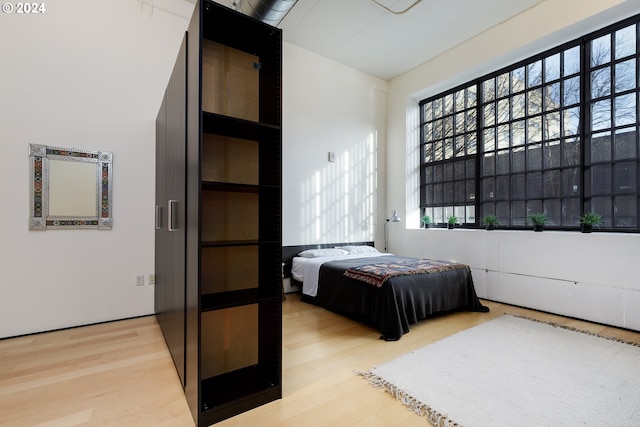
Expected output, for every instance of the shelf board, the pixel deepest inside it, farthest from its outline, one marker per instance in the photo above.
(229, 187)
(222, 300)
(239, 128)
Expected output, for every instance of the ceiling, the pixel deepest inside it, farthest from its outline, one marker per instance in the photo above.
(368, 37)
(365, 36)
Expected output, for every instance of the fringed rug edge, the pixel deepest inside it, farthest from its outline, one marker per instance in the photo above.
(414, 405)
(573, 329)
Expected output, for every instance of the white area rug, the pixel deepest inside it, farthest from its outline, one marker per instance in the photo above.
(512, 371)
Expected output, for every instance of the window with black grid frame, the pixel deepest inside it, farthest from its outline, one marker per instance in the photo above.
(556, 134)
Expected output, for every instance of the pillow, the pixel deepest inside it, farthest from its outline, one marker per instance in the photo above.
(358, 249)
(315, 253)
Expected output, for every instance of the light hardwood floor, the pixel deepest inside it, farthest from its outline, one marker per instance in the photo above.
(121, 374)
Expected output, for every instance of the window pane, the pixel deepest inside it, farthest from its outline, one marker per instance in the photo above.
(518, 106)
(552, 125)
(437, 108)
(625, 144)
(552, 97)
(518, 213)
(502, 166)
(625, 75)
(601, 83)
(553, 209)
(534, 157)
(601, 147)
(552, 67)
(472, 96)
(551, 154)
(625, 112)
(428, 175)
(471, 121)
(517, 159)
(571, 61)
(448, 172)
(428, 194)
(571, 154)
(471, 190)
(459, 148)
(604, 206)
(448, 148)
(489, 139)
(489, 90)
(601, 50)
(502, 188)
(488, 189)
(601, 180)
(489, 114)
(552, 183)
(448, 104)
(625, 42)
(624, 175)
(517, 187)
(571, 121)
(428, 132)
(438, 197)
(458, 170)
(503, 136)
(503, 85)
(437, 151)
(428, 111)
(535, 129)
(571, 182)
(488, 164)
(428, 152)
(601, 115)
(571, 212)
(534, 101)
(518, 80)
(471, 168)
(534, 74)
(503, 110)
(626, 211)
(459, 99)
(460, 191)
(518, 133)
(472, 145)
(534, 185)
(571, 88)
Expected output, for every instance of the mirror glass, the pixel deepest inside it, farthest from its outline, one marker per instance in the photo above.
(70, 188)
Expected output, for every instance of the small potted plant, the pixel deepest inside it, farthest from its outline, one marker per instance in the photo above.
(590, 220)
(451, 221)
(539, 220)
(426, 220)
(490, 221)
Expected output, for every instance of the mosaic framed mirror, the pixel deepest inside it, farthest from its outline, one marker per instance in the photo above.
(70, 188)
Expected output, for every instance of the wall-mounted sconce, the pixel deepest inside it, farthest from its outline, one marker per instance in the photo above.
(394, 218)
(332, 156)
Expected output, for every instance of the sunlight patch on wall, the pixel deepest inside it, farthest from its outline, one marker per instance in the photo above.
(339, 199)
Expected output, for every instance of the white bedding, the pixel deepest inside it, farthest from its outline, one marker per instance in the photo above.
(307, 270)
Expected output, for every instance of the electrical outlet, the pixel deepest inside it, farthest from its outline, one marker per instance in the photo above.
(140, 280)
(152, 279)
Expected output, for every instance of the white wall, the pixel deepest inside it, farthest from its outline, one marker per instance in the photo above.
(592, 276)
(330, 107)
(89, 75)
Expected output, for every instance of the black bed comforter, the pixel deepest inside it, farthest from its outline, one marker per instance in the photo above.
(401, 301)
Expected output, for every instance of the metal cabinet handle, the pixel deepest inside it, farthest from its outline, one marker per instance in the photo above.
(158, 217)
(172, 220)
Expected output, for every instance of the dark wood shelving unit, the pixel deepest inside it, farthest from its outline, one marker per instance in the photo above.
(232, 343)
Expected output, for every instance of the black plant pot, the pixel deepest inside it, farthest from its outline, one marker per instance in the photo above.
(537, 227)
(427, 225)
(491, 227)
(586, 228)
(450, 226)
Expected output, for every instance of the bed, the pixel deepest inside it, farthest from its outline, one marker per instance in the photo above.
(387, 291)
